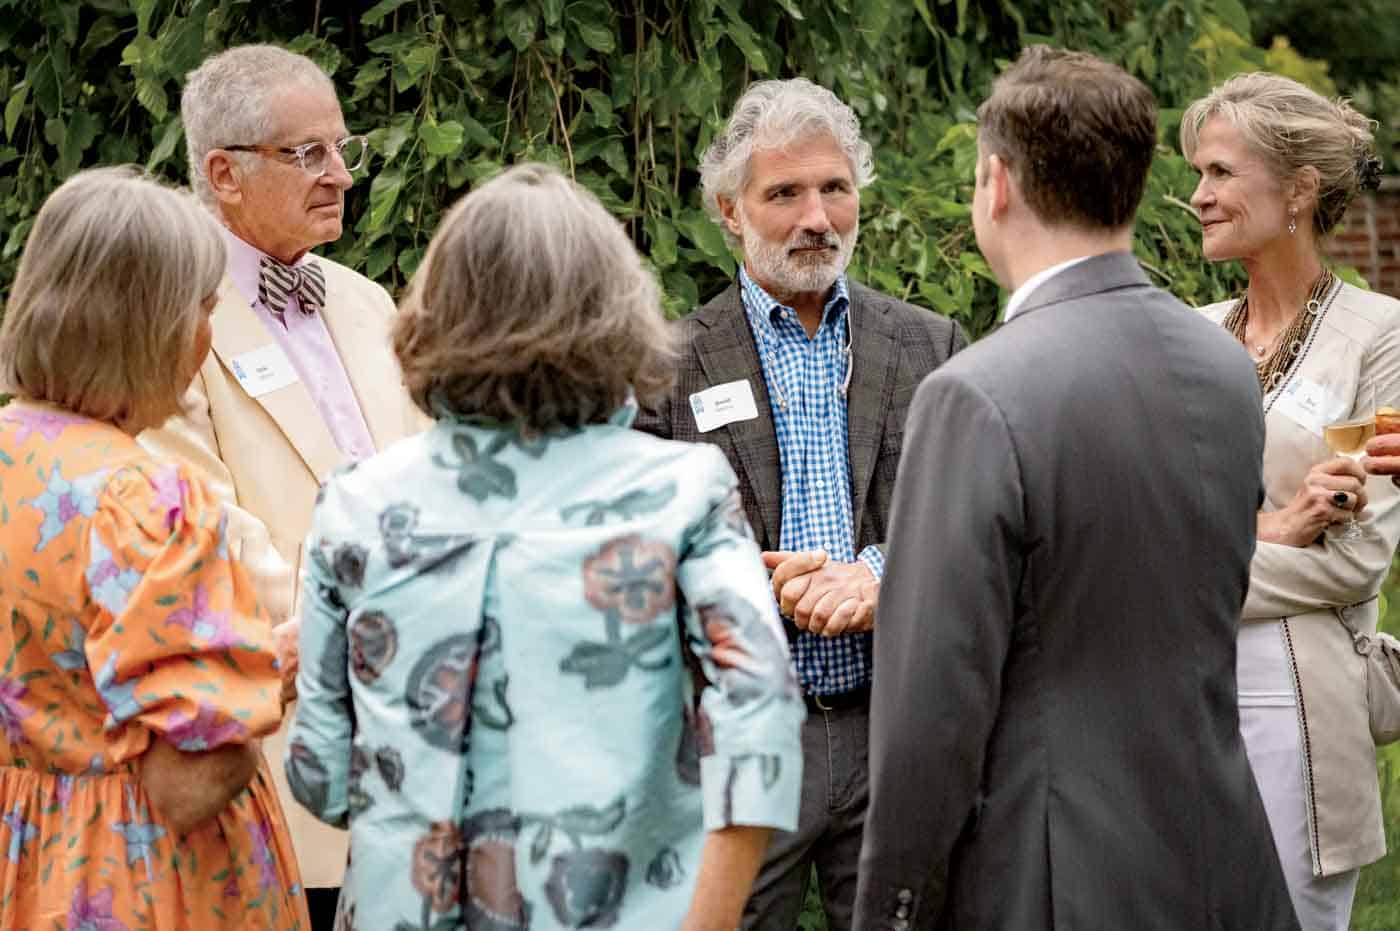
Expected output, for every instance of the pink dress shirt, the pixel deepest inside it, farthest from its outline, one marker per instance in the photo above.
(309, 347)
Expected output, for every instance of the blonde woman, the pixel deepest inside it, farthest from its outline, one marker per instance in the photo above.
(542, 677)
(1279, 164)
(137, 671)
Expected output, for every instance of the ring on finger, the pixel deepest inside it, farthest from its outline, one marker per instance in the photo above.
(1340, 498)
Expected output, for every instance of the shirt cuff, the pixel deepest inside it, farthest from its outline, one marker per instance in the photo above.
(874, 561)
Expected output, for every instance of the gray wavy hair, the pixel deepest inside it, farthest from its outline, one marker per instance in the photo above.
(773, 114)
(229, 100)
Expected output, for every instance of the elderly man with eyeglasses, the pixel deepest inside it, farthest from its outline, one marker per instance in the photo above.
(301, 378)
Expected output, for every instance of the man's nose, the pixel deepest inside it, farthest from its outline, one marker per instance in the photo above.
(814, 217)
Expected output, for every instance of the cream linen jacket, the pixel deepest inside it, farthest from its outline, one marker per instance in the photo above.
(1356, 342)
(267, 456)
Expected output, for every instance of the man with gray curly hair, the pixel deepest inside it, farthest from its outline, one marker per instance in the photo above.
(803, 376)
(301, 378)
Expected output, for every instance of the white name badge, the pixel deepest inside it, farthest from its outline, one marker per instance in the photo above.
(263, 370)
(722, 404)
(1306, 403)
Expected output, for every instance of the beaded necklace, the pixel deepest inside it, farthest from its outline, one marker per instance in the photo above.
(1288, 345)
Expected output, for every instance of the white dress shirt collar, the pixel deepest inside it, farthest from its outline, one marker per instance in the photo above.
(1018, 297)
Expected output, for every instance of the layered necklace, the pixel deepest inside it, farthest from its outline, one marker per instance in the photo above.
(1273, 360)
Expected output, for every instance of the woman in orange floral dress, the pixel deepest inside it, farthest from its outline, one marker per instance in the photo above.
(135, 670)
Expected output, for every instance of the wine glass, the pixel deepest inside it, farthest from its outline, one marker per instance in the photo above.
(1349, 438)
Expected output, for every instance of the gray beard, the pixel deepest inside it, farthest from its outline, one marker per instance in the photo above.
(770, 261)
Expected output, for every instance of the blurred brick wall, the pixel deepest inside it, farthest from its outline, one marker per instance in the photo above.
(1369, 237)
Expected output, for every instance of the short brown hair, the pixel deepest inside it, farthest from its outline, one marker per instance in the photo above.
(1294, 127)
(107, 299)
(532, 307)
(1077, 134)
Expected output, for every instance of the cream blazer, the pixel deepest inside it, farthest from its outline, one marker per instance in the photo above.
(1356, 342)
(267, 456)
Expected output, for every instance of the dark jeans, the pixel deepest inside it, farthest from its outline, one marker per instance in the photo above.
(835, 791)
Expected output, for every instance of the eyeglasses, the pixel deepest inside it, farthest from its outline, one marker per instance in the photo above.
(314, 157)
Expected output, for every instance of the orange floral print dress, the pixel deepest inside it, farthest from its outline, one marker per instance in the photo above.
(122, 621)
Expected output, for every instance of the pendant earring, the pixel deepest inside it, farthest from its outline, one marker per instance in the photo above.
(1292, 220)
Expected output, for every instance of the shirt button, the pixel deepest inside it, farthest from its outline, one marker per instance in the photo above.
(905, 896)
(821, 484)
(902, 912)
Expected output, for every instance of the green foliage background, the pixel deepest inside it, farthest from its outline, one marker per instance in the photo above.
(625, 96)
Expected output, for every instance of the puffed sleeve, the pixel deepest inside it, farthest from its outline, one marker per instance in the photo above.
(751, 712)
(177, 645)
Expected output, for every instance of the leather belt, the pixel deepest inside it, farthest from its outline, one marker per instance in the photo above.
(841, 701)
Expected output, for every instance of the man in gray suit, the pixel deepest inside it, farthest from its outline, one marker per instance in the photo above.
(1054, 734)
(803, 378)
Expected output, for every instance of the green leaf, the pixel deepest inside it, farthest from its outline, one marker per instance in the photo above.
(662, 233)
(414, 65)
(706, 235)
(143, 9)
(169, 138)
(388, 140)
(379, 260)
(476, 132)
(409, 260)
(597, 36)
(151, 95)
(1232, 14)
(520, 24)
(383, 194)
(15, 107)
(444, 139)
(553, 11)
(99, 35)
(377, 13)
(601, 105)
(747, 40)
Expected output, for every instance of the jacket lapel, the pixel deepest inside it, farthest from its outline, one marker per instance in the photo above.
(874, 356)
(238, 330)
(726, 351)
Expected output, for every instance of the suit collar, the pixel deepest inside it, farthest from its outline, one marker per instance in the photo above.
(237, 330)
(724, 345)
(1110, 271)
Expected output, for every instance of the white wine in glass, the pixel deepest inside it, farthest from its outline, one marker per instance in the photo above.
(1350, 437)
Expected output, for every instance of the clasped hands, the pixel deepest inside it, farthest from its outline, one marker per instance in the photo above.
(821, 595)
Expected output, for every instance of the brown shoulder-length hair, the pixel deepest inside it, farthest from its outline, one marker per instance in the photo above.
(532, 307)
(1076, 132)
(106, 304)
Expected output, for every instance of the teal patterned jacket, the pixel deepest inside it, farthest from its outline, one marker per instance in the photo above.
(534, 672)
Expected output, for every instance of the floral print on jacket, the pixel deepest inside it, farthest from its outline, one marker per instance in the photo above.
(534, 672)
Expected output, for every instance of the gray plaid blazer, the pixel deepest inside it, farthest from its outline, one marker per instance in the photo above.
(894, 345)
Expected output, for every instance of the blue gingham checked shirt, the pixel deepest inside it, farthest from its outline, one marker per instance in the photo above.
(813, 448)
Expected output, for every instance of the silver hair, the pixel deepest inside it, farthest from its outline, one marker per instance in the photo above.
(774, 114)
(230, 100)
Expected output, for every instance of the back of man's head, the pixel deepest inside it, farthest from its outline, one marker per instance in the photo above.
(1076, 133)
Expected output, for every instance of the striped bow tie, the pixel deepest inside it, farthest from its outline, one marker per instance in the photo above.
(279, 282)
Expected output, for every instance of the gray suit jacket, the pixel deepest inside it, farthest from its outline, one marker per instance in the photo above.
(1054, 731)
(894, 345)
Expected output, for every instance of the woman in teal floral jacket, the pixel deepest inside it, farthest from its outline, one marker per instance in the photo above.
(542, 675)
